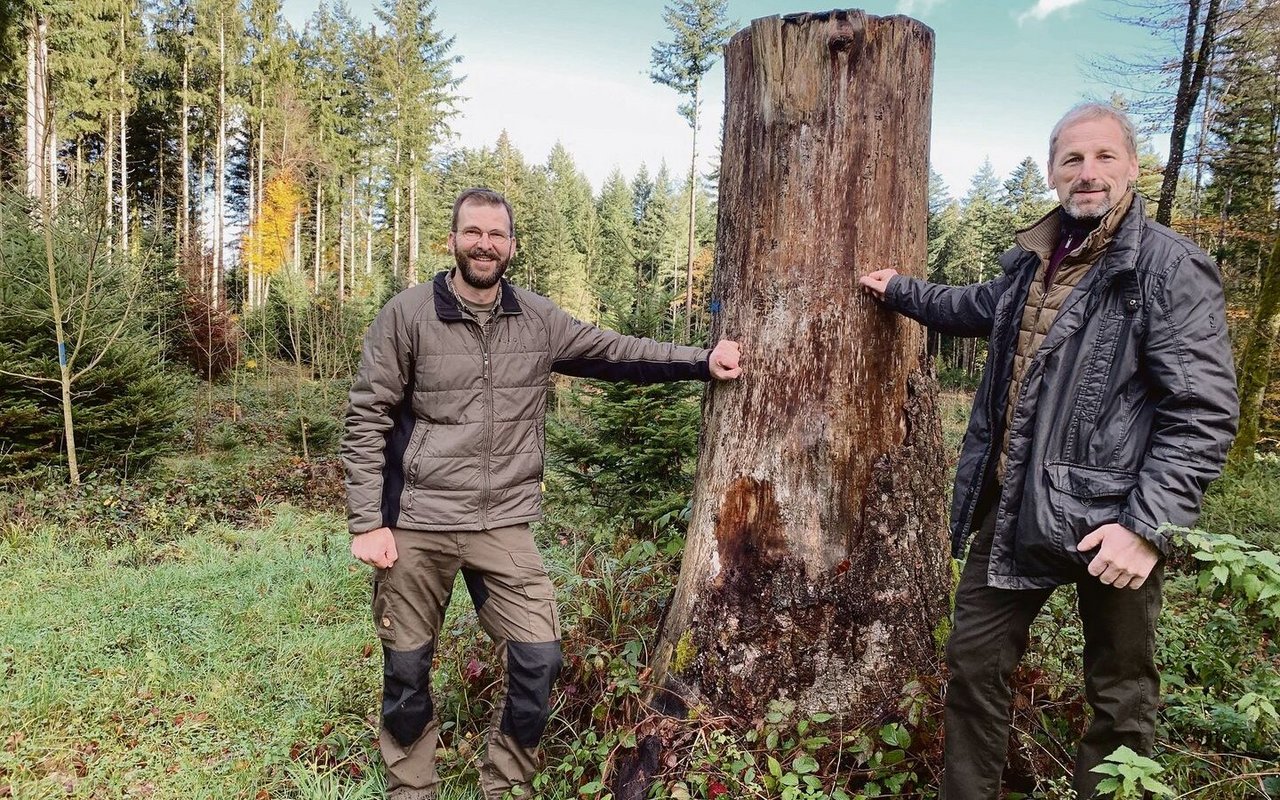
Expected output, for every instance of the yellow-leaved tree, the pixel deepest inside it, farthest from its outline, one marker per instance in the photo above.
(267, 245)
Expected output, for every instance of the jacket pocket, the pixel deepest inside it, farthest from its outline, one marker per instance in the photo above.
(1085, 498)
(413, 453)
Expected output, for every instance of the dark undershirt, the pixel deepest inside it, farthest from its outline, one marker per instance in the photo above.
(1071, 234)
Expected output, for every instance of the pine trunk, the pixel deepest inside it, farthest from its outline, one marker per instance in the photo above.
(37, 108)
(342, 242)
(395, 223)
(124, 145)
(219, 178)
(315, 277)
(411, 273)
(693, 198)
(816, 566)
(184, 213)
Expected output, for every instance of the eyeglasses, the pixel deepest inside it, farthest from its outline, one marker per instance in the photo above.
(471, 236)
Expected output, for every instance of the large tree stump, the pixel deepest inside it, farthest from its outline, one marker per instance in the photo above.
(816, 567)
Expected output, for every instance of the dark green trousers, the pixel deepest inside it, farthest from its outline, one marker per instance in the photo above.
(989, 635)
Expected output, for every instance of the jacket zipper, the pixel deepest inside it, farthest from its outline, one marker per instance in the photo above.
(485, 331)
(413, 470)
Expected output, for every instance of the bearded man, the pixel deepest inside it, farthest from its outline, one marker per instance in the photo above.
(443, 454)
(1106, 406)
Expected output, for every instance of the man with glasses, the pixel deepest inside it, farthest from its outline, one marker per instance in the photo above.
(1107, 405)
(444, 456)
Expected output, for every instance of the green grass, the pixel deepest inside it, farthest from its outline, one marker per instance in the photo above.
(185, 669)
(1247, 504)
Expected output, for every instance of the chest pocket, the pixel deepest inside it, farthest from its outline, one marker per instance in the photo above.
(1119, 319)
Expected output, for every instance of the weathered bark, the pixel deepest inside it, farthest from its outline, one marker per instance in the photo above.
(1255, 361)
(816, 566)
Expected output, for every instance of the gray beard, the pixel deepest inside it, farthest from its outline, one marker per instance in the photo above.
(1074, 211)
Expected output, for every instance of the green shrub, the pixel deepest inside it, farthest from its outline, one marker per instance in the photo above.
(628, 452)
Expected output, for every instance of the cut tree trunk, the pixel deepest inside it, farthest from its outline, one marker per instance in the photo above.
(816, 566)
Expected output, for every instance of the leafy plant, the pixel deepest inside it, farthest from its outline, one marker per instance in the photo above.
(1248, 571)
(1130, 776)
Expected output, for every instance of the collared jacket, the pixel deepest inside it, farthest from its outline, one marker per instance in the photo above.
(445, 425)
(1124, 414)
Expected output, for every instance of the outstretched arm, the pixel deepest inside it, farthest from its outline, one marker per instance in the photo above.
(953, 310)
(585, 351)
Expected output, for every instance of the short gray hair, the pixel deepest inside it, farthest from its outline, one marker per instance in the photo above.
(1086, 111)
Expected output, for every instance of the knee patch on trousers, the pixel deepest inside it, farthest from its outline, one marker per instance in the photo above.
(532, 667)
(406, 692)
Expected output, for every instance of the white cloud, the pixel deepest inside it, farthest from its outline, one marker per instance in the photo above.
(1043, 8)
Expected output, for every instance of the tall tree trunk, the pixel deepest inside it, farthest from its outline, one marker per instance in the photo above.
(206, 281)
(315, 277)
(109, 164)
(124, 144)
(219, 178)
(693, 198)
(1255, 361)
(342, 242)
(368, 224)
(395, 222)
(184, 213)
(37, 121)
(1195, 61)
(297, 246)
(351, 259)
(816, 566)
(411, 273)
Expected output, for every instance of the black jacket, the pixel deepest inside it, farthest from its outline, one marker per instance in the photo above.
(1126, 412)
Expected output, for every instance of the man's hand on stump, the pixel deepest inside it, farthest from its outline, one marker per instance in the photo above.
(877, 283)
(724, 361)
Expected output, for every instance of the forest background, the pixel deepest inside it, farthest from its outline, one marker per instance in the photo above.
(202, 208)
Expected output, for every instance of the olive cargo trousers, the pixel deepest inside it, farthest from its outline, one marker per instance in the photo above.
(515, 601)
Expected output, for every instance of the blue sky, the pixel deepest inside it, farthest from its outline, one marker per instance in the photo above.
(578, 72)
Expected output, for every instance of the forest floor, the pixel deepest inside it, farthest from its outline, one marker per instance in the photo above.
(202, 632)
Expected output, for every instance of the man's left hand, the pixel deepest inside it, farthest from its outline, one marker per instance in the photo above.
(1124, 559)
(724, 360)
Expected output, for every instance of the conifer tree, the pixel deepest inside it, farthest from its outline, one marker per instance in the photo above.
(1026, 194)
(699, 29)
